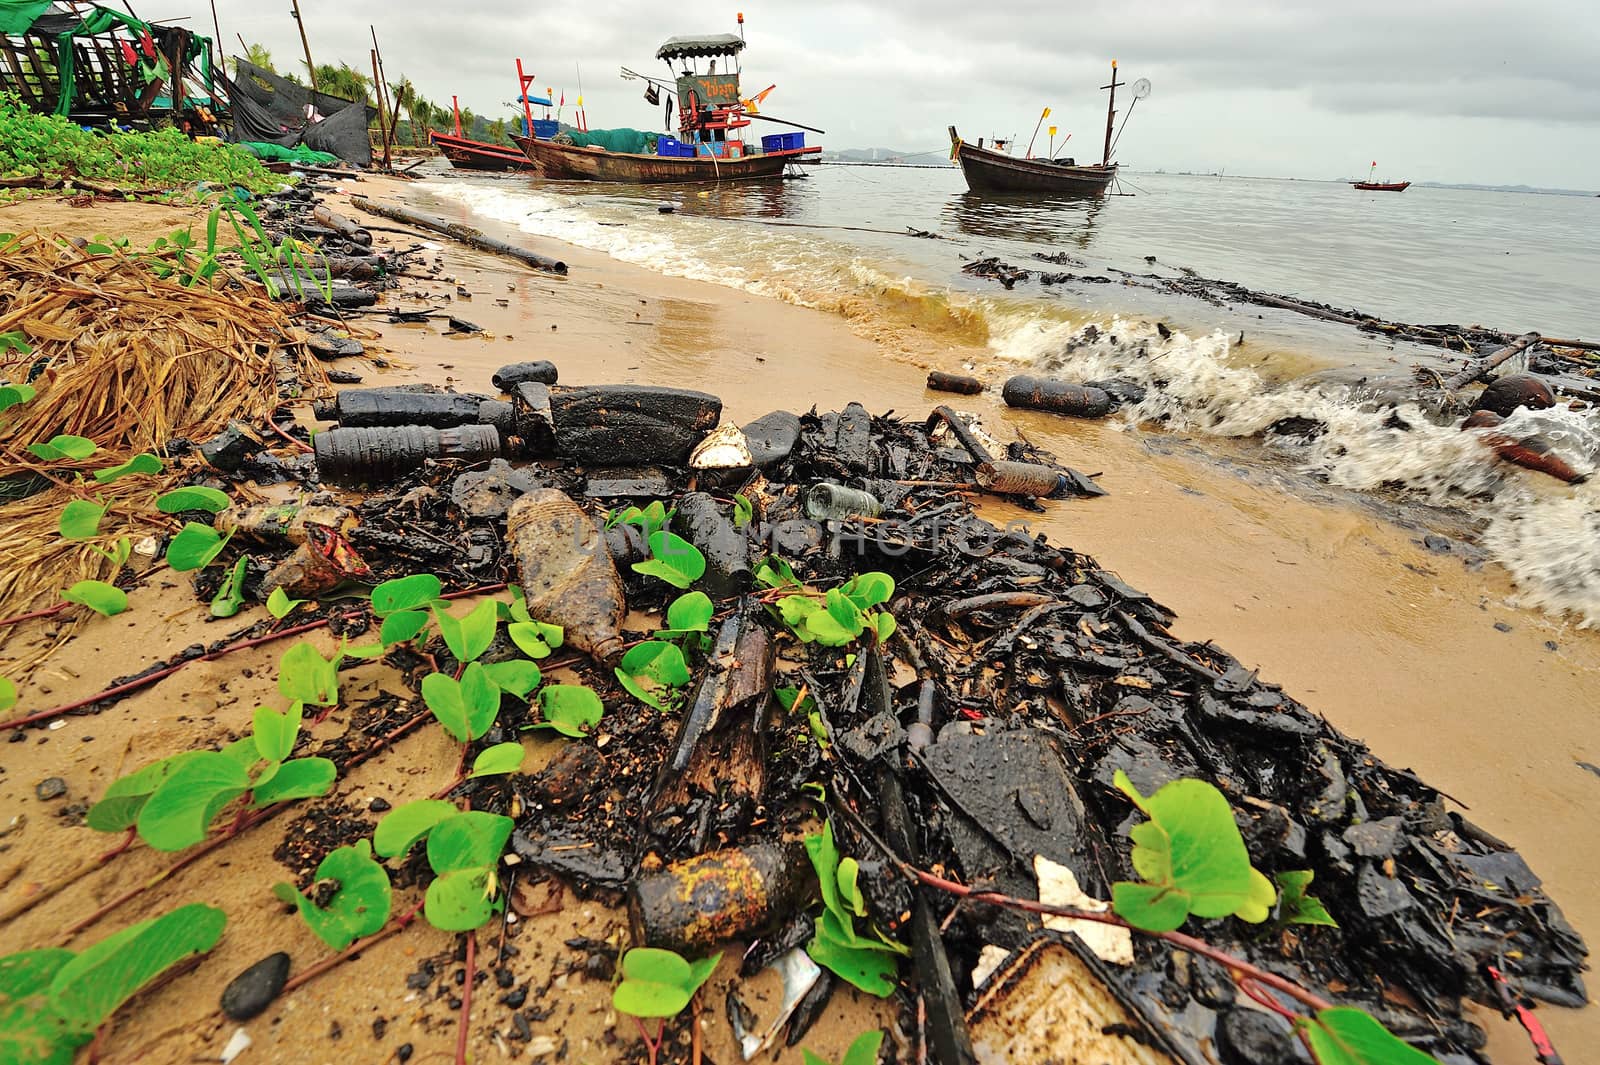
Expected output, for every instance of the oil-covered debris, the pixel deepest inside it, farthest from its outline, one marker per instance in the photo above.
(980, 739)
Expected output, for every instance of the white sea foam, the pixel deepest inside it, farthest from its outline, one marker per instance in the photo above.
(1547, 534)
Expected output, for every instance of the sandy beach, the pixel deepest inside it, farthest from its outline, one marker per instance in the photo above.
(1417, 654)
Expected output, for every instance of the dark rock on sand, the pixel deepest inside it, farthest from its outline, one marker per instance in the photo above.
(51, 788)
(772, 437)
(255, 988)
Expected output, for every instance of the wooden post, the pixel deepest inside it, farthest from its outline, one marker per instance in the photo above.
(1042, 116)
(1111, 112)
(311, 67)
(216, 27)
(387, 98)
(377, 91)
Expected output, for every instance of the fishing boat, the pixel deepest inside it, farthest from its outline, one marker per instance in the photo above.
(467, 154)
(1379, 186)
(712, 117)
(992, 170)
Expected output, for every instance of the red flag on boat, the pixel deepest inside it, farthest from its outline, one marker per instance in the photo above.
(129, 56)
(147, 45)
(563, 98)
(1374, 162)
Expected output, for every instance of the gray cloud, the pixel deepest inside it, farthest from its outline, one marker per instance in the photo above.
(1447, 91)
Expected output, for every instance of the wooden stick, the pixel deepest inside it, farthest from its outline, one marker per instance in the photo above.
(465, 234)
(1472, 371)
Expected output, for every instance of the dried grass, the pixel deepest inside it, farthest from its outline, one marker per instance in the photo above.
(130, 361)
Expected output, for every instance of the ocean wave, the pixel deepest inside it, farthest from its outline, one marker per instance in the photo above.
(1545, 533)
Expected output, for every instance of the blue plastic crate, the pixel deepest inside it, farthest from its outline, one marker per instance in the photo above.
(545, 128)
(672, 147)
(783, 142)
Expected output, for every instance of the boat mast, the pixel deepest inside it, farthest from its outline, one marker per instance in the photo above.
(1111, 112)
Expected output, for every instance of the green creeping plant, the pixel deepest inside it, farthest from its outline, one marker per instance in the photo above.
(659, 983)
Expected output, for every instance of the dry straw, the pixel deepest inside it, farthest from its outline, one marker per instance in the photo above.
(130, 361)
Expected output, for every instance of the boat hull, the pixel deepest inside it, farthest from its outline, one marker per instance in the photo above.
(567, 162)
(467, 154)
(987, 170)
(1381, 186)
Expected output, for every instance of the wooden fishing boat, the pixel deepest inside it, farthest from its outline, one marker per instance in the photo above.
(987, 170)
(712, 117)
(568, 162)
(467, 154)
(991, 170)
(1382, 186)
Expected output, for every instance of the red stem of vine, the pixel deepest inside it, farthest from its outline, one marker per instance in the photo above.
(466, 999)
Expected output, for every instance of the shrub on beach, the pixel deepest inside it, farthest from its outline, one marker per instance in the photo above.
(50, 145)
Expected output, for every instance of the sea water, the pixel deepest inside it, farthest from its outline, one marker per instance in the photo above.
(889, 244)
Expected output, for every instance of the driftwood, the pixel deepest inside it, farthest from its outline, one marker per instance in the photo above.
(465, 234)
(341, 225)
(1472, 371)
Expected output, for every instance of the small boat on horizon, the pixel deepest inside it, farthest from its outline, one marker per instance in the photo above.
(991, 170)
(712, 116)
(1379, 186)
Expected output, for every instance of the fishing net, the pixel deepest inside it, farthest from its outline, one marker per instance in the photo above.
(132, 362)
(623, 139)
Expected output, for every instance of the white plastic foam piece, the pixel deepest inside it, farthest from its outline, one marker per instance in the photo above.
(236, 1046)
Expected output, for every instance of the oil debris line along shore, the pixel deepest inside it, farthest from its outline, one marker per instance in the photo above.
(1359, 424)
(780, 688)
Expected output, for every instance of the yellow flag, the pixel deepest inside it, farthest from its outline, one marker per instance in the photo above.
(1052, 131)
(1046, 113)
(580, 99)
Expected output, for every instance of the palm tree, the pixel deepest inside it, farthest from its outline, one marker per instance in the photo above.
(345, 82)
(257, 55)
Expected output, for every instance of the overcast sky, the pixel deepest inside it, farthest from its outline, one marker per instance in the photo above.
(1467, 91)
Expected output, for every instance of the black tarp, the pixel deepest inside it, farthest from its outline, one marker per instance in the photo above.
(272, 110)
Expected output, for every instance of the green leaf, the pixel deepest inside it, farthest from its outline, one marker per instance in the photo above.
(534, 638)
(139, 464)
(824, 855)
(230, 594)
(649, 667)
(808, 1058)
(460, 901)
(884, 624)
(648, 998)
(515, 677)
(275, 733)
(673, 559)
(570, 709)
(29, 972)
(501, 758)
(870, 970)
(776, 573)
(1263, 896)
(656, 965)
(469, 840)
(11, 395)
(179, 812)
(466, 708)
(1295, 906)
(700, 971)
(1190, 854)
(868, 590)
(298, 778)
(849, 891)
(1344, 1035)
(88, 989)
(794, 609)
(8, 694)
(279, 605)
(15, 340)
(743, 511)
(80, 519)
(402, 627)
(119, 554)
(64, 447)
(864, 1049)
(194, 547)
(400, 829)
(304, 676)
(405, 593)
(360, 904)
(103, 598)
(824, 627)
(690, 612)
(470, 636)
(193, 497)
(119, 807)
(843, 610)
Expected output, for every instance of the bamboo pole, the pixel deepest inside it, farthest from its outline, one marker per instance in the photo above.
(388, 98)
(1472, 371)
(466, 234)
(377, 92)
(311, 67)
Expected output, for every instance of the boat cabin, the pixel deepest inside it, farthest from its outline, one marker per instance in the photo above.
(711, 112)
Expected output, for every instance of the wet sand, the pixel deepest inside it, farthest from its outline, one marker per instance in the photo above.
(1348, 612)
